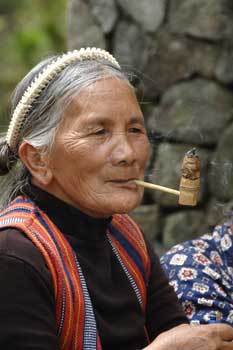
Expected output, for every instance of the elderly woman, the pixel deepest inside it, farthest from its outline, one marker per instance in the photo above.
(76, 272)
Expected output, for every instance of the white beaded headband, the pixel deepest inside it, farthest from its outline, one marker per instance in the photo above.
(42, 80)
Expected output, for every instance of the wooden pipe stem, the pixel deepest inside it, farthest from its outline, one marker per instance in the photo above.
(157, 187)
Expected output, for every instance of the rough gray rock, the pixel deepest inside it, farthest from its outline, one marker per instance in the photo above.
(149, 13)
(193, 112)
(147, 217)
(175, 58)
(224, 71)
(105, 12)
(218, 211)
(159, 248)
(130, 45)
(82, 29)
(209, 19)
(221, 167)
(183, 226)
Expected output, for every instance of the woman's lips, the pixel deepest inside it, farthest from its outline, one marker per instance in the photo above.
(125, 182)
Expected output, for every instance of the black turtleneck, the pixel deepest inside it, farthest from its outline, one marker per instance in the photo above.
(27, 306)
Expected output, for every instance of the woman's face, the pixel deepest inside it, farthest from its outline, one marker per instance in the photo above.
(100, 147)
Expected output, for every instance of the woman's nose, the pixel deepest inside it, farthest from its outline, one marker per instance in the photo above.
(124, 151)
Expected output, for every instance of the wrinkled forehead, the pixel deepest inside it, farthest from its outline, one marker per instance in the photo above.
(104, 101)
(102, 92)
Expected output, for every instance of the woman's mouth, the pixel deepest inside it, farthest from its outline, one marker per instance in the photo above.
(125, 182)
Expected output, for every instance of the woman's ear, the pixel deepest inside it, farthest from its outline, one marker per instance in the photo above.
(37, 162)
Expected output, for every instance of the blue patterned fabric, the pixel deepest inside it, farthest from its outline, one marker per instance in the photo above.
(201, 273)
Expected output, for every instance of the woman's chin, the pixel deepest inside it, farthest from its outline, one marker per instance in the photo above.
(125, 205)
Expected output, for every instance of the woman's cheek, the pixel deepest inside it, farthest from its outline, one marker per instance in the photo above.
(143, 150)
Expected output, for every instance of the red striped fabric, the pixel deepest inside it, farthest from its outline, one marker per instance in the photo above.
(59, 257)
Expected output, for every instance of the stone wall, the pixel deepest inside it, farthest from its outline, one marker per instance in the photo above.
(182, 54)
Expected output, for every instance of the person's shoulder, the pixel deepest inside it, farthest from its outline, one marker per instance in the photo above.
(215, 247)
(15, 244)
(223, 234)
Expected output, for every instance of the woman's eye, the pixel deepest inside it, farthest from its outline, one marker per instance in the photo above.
(100, 132)
(135, 130)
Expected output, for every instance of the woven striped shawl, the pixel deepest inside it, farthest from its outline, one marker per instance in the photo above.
(76, 325)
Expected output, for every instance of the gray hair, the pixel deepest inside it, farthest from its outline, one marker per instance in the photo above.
(46, 113)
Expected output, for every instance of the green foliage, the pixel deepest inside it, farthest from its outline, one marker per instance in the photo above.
(9, 6)
(29, 31)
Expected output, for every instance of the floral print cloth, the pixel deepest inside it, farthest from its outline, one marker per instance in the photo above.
(201, 273)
